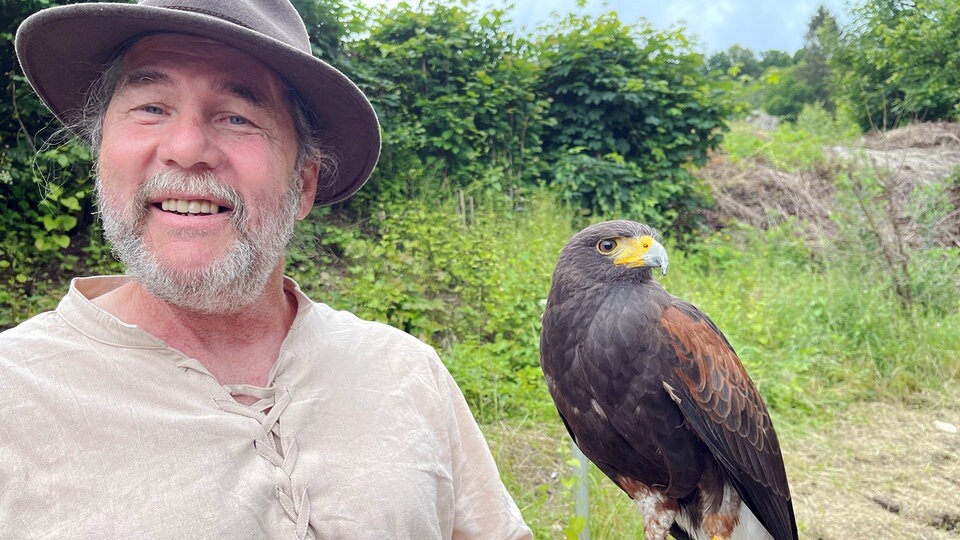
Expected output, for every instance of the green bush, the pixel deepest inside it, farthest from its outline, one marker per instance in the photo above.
(631, 109)
(47, 225)
(456, 96)
(612, 186)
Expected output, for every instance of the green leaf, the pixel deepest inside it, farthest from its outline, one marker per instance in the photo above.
(49, 222)
(71, 203)
(61, 240)
(68, 222)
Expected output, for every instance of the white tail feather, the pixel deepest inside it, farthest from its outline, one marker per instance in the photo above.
(749, 527)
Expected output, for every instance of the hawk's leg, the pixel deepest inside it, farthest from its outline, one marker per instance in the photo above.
(733, 518)
(658, 510)
(720, 525)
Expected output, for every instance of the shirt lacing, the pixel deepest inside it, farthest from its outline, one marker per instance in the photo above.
(273, 446)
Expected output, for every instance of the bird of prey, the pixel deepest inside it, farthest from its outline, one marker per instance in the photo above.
(655, 396)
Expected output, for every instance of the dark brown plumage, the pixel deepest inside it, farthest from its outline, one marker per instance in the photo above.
(654, 395)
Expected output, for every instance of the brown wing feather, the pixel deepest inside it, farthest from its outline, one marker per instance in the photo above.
(722, 405)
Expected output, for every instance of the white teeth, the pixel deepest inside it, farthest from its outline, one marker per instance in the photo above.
(189, 207)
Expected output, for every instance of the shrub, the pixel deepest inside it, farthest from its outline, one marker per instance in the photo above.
(631, 109)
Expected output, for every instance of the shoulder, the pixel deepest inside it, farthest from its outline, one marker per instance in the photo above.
(342, 338)
(35, 336)
(341, 323)
(31, 355)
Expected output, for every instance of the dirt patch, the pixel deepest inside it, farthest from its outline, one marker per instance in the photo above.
(918, 135)
(879, 471)
(910, 163)
(763, 196)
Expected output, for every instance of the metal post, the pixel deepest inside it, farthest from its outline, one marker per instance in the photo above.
(581, 503)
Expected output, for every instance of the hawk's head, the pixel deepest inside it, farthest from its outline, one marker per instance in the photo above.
(611, 251)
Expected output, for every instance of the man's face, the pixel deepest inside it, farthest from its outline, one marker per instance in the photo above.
(195, 171)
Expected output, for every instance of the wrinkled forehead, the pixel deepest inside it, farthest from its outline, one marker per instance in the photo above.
(167, 55)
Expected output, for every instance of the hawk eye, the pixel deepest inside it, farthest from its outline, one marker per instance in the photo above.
(606, 246)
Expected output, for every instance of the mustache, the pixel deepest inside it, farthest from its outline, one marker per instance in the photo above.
(205, 185)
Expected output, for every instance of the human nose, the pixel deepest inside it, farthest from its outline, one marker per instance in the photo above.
(188, 144)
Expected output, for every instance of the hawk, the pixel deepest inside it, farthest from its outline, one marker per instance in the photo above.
(654, 395)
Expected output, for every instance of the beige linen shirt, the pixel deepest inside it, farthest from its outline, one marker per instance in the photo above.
(361, 433)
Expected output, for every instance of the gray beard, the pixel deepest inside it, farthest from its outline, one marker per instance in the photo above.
(228, 284)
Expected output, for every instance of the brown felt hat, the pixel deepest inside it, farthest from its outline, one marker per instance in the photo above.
(62, 51)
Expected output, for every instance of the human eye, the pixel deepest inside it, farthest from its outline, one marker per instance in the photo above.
(152, 109)
(241, 123)
(147, 111)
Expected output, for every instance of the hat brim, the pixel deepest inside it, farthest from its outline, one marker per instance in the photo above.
(63, 49)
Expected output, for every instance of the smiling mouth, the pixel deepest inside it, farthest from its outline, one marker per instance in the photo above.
(193, 207)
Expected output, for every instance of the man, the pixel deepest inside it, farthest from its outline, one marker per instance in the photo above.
(203, 395)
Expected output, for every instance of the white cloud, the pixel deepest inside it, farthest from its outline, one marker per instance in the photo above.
(758, 25)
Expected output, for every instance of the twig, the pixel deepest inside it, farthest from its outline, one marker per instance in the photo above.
(16, 115)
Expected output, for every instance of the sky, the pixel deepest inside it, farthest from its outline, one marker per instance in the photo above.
(758, 25)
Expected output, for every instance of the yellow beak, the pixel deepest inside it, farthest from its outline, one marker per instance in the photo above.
(643, 251)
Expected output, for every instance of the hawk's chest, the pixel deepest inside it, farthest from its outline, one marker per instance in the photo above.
(603, 341)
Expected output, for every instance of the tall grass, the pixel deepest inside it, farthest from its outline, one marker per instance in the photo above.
(792, 146)
(817, 330)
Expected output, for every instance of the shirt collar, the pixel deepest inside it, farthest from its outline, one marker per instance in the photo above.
(78, 310)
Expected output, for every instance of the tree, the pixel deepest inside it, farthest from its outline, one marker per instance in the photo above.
(773, 58)
(897, 62)
(736, 61)
(631, 108)
(813, 68)
(455, 95)
(806, 80)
